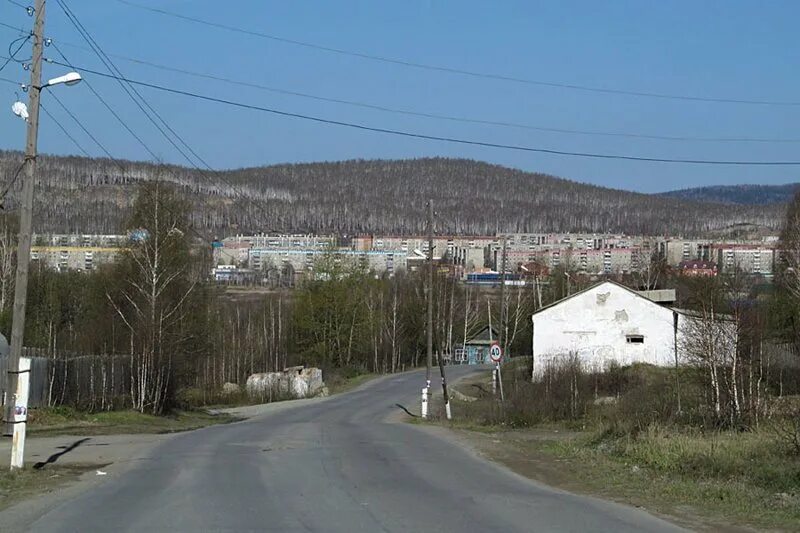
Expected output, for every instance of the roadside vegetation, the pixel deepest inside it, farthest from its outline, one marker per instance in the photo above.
(154, 336)
(618, 434)
(19, 485)
(69, 421)
(718, 436)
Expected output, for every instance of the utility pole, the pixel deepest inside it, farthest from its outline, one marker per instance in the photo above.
(16, 397)
(501, 335)
(503, 311)
(677, 368)
(429, 359)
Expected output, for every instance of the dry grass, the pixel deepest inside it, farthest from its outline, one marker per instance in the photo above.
(67, 421)
(22, 484)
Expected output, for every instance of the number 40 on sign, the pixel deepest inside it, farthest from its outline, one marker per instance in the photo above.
(496, 353)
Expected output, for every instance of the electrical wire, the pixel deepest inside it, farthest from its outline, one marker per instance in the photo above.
(111, 109)
(64, 130)
(131, 92)
(113, 69)
(80, 124)
(15, 28)
(452, 70)
(451, 118)
(15, 52)
(89, 134)
(9, 80)
(19, 4)
(11, 183)
(454, 140)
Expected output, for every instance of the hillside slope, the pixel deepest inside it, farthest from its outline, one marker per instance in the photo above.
(739, 194)
(471, 197)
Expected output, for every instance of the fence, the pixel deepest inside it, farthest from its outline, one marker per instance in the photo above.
(91, 382)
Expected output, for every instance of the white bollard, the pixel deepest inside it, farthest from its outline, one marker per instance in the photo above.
(20, 413)
(424, 409)
(447, 410)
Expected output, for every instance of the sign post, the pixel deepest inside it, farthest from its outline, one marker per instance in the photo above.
(496, 355)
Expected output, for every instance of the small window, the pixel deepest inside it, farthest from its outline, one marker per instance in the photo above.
(634, 339)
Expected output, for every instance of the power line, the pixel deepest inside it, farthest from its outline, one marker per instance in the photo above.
(11, 183)
(114, 70)
(15, 28)
(80, 124)
(437, 116)
(451, 118)
(9, 80)
(452, 70)
(19, 4)
(64, 130)
(454, 140)
(88, 133)
(109, 108)
(15, 52)
(132, 93)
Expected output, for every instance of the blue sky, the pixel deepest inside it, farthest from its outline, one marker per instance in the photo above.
(727, 49)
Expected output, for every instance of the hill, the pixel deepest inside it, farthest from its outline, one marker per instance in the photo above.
(78, 194)
(739, 194)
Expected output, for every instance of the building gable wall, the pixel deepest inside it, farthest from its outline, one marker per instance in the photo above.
(601, 325)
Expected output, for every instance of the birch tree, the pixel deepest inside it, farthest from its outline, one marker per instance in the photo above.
(154, 292)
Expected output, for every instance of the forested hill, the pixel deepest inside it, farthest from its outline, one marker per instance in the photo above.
(471, 197)
(739, 194)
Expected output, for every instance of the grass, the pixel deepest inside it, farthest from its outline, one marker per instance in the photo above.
(338, 384)
(742, 477)
(702, 479)
(67, 421)
(19, 485)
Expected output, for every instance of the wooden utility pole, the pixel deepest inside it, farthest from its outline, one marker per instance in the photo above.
(503, 311)
(677, 368)
(429, 356)
(14, 410)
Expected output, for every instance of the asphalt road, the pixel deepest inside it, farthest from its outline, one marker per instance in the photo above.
(332, 466)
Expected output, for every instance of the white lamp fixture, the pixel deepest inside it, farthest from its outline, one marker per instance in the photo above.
(70, 78)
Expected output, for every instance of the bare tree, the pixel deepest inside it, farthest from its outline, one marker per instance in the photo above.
(152, 298)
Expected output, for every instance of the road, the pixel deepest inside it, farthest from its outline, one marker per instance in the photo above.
(333, 466)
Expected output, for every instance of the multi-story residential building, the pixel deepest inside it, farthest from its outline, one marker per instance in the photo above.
(264, 259)
(260, 253)
(747, 258)
(63, 252)
(680, 250)
(468, 252)
(235, 250)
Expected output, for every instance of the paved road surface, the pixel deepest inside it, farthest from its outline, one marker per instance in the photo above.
(332, 466)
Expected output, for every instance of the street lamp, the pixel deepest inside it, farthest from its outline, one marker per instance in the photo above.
(70, 78)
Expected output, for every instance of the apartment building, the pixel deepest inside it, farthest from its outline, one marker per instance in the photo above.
(81, 252)
(748, 258)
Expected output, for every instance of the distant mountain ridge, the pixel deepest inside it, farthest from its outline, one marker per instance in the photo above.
(738, 194)
(78, 194)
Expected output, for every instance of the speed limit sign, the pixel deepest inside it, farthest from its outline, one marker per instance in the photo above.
(495, 353)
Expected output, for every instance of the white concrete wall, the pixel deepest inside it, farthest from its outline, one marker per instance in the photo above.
(594, 325)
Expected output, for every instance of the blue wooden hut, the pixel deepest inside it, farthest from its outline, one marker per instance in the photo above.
(476, 349)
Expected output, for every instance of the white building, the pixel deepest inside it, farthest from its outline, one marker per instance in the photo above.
(608, 322)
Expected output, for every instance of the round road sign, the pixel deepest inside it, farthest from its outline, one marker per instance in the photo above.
(495, 353)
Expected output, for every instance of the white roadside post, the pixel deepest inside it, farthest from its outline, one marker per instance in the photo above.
(20, 413)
